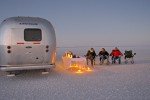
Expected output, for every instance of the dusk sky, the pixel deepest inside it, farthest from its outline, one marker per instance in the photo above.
(88, 22)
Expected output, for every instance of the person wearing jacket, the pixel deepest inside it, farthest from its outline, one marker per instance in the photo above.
(91, 56)
(116, 55)
(103, 54)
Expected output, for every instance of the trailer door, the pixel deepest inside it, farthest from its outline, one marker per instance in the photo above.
(27, 48)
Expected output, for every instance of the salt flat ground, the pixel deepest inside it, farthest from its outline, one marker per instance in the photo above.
(111, 82)
(105, 82)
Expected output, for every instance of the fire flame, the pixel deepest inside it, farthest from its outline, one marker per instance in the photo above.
(79, 71)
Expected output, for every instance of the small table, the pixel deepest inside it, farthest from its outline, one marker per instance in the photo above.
(74, 62)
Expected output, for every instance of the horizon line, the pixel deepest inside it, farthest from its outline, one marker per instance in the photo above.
(93, 46)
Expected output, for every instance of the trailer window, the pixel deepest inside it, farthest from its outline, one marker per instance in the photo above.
(32, 34)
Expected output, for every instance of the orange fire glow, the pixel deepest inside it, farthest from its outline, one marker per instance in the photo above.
(69, 55)
(79, 71)
(88, 69)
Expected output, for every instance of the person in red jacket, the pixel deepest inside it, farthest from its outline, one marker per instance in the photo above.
(116, 55)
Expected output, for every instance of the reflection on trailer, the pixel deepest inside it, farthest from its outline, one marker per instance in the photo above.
(27, 43)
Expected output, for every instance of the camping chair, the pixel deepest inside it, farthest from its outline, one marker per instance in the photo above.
(129, 56)
(104, 60)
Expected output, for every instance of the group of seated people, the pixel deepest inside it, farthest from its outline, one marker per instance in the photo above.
(104, 55)
(115, 55)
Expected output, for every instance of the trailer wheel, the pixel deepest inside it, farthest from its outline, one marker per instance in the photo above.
(47, 69)
(13, 72)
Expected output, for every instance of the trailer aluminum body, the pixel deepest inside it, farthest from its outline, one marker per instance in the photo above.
(27, 43)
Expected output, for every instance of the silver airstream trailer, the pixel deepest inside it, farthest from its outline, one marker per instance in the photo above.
(27, 43)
